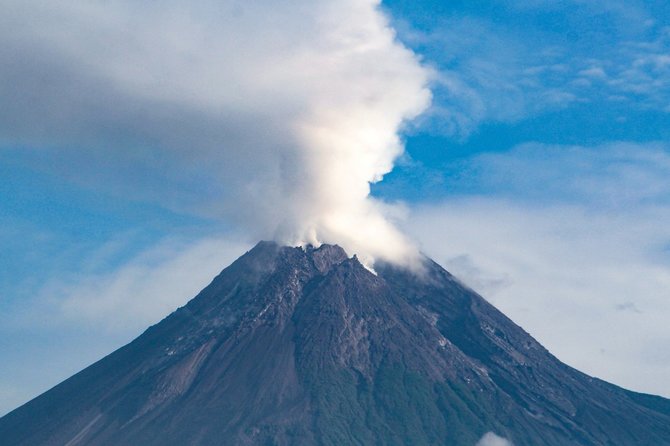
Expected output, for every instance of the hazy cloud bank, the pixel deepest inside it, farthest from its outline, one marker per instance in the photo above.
(572, 244)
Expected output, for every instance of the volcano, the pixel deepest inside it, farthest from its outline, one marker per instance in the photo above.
(305, 346)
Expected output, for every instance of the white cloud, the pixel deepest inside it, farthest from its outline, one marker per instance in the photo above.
(581, 262)
(491, 439)
(272, 115)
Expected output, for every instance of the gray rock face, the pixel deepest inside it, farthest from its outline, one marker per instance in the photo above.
(307, 347)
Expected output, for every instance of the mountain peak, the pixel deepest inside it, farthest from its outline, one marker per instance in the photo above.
(304, 345)
(326, 256)
(269, 254)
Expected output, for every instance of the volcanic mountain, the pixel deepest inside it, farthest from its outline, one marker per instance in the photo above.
(305, 346)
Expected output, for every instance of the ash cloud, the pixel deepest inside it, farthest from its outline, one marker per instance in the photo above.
(273, 116)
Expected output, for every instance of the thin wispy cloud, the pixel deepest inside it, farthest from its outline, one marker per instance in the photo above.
(486, 71)
(142, 290)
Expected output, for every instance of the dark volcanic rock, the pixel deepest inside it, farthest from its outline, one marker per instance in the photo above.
(292, 346)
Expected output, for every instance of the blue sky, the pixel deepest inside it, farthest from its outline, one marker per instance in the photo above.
(539, 174)
(574, 73)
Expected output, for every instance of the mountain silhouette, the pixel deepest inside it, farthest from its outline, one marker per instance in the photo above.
(305, 346)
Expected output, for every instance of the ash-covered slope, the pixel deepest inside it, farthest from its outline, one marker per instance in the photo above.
(300, 347)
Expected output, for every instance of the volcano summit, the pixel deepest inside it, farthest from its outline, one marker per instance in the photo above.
(293, 346)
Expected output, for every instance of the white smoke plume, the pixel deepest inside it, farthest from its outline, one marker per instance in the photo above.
(491, 439)
(272, 115)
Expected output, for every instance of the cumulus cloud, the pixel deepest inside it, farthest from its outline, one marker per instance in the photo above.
(491, 439)
(274, 116)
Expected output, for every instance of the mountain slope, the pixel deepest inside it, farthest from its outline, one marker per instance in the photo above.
(293, 346)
